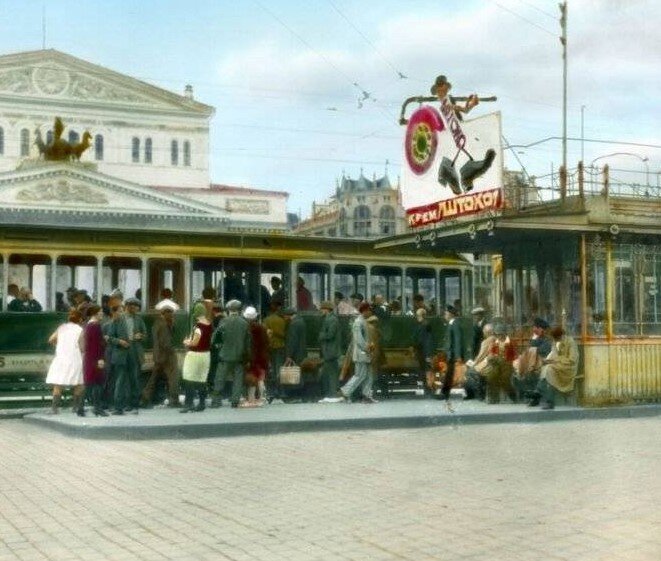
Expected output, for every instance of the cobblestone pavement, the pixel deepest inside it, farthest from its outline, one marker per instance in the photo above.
(587, 491)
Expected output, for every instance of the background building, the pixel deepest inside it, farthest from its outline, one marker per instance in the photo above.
(359, 208)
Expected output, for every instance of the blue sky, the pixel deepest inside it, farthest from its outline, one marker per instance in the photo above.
(286, 77)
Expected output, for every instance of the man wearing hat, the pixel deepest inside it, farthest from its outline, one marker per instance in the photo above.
(295, 338)
(165, 358)
(441, 88)
(330, 343)
(233, 336)
(126, 336)
(362, 357)
(479, 321)
(528, 365)
(455, 349)
(276, 327)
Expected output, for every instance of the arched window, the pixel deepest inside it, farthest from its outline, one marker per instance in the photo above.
(74, 137)
(135, 149)
(387, 220)
(25, 142)
(362, 224)
(186, 153)
(148, 150)
(2, 140)
(174, 153)
(98, 147)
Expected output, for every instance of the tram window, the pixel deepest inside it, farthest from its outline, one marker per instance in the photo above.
(350, 279)
(450, 285)
(421, 281)
(32, 272)
(74, 272)
(206, 273)
(123, 274)
(387, 281)
(312, 285)
(275, 277)
(165, 273)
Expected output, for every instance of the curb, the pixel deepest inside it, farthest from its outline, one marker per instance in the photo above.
(223, 429)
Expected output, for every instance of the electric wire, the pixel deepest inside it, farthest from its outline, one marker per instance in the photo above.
(524, 19)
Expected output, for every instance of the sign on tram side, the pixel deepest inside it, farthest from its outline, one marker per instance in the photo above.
(452, 167)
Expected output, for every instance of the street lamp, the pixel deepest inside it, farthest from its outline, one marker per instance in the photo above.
(643, 159)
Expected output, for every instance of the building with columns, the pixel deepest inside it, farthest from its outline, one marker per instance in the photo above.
(140, 134)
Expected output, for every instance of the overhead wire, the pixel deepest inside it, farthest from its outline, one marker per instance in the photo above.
(529, 21)
(366, 39)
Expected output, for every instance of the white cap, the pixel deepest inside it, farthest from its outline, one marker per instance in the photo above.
(250, 313)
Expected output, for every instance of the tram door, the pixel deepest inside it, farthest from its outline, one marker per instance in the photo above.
(162, 274)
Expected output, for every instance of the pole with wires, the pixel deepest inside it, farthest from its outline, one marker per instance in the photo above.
(563, 40)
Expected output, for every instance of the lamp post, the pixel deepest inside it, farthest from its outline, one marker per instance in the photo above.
(643, 159)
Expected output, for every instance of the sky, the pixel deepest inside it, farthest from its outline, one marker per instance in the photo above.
(306, 92)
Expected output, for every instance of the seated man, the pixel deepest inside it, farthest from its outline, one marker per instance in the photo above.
(528, 365)
(498, 372)
(475, 382)
(558, 370)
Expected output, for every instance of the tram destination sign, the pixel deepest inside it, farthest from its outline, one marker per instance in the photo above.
(451, 168)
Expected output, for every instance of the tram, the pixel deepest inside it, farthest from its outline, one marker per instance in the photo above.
(50, 261)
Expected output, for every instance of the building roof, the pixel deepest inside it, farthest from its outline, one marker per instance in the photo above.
(363, 184)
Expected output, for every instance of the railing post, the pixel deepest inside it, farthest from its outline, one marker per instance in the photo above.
(581, 179)
(606, 189)
(563, 183)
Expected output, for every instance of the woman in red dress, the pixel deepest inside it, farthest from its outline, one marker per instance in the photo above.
(93, 345)
(259, 358)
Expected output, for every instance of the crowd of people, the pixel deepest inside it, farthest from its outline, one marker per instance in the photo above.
(233, 357)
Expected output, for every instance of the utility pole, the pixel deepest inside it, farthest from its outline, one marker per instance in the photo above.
(563, 40)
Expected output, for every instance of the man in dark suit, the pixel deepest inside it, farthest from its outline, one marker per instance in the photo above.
(233, 336)
(455, 348)
(126, 335)
(479, 321)
(330, 344)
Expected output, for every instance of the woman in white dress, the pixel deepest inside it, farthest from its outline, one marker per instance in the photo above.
(67, 366)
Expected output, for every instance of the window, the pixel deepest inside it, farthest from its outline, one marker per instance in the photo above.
(147, 150)
(25, 142)
(135, 149)
(74, 137)
(174, 153)
(187, 153)
(49, 137)
(362, 222)
(387, 220)
(2, 140)
(98, 147)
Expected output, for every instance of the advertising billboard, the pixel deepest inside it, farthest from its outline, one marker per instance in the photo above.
(452, 167)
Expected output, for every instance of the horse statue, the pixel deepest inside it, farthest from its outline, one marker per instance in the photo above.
(78, 148)
(59, 149)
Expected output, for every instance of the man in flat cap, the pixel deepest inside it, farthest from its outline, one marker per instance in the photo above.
(164, 356)
(330, 343)
(126, 336)
(528, 366)
(233, 336)
(362, 358)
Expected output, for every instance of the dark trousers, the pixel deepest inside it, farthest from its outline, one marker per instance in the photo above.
(447, 381)
(191, 389)
(273, 377)
(167, 370)
(225, 370)
(330, 371)
(127, 385)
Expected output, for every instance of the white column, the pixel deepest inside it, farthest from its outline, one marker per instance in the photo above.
(143, 284)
